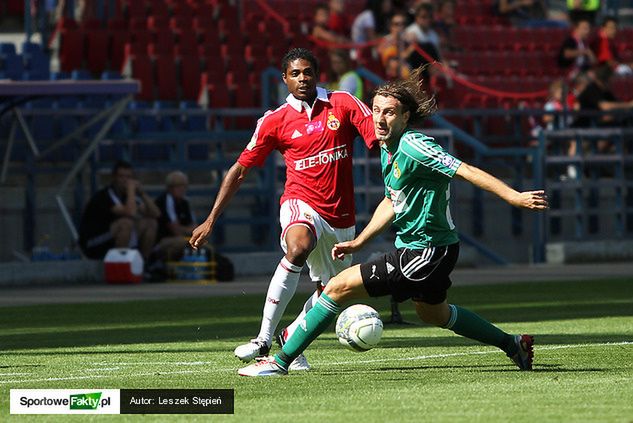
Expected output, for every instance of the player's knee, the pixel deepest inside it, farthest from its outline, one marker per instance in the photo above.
(338, 289)
(299, 250)
(431, 315)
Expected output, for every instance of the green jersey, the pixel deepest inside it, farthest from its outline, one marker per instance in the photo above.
(417, 173)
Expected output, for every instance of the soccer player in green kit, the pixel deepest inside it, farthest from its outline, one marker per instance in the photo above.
(417, 174)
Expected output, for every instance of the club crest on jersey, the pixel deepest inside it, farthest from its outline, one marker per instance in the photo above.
(396, 170)
(332, 122)
(447, 160)
(308, 216)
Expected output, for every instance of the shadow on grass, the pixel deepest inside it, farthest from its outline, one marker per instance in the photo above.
(215, 318)
(485, 368)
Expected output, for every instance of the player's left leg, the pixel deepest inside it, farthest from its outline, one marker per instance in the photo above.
(469, 324)
(345, 287)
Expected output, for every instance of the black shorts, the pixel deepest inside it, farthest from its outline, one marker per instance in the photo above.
(422, 275)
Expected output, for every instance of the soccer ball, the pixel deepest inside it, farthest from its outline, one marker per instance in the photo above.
(359, 328)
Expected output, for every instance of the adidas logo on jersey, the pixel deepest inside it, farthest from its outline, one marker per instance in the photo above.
(390, 268)
(296, 134)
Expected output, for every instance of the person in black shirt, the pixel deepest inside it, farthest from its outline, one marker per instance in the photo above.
(177, 221)
(574, 53)
(120, 215)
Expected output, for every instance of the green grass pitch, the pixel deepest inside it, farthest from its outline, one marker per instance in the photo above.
(583, 364)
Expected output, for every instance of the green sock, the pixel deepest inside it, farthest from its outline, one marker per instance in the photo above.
(314, 323)
(466, 323)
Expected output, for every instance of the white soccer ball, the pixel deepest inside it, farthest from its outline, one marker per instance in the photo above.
(359, 327)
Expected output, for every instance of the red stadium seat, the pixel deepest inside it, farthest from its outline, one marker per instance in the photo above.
(190, 71)
(118, 40)
(141, 67)
(71, 50)
(166, 77)
(187, 42)
(97, 50)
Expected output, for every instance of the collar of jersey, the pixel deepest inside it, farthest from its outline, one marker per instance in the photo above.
(298, 104)
(394, 146)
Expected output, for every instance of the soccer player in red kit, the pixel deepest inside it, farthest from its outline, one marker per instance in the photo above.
(314, 131)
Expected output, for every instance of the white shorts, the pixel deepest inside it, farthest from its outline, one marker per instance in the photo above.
(322, 267)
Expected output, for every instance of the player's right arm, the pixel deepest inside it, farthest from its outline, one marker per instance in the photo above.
(230, 184)
(381, 219)
(263, 141)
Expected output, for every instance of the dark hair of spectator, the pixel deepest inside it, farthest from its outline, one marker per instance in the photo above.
(411, 95)
(121, 164)
(321, 6)
(608, 19)
(299, 53)
(380, 17)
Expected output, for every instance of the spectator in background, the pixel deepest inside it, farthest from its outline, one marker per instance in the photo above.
(321, 30)
(177, 221)
(371, 23)
(575, 53)
(339, 22)
(120, 215)
(396, 69)
(394, 50)
(420, 32)
(444, 24)
(597, 96)
(345, 77)
(605, 48)
(583, 10)
(522, 12)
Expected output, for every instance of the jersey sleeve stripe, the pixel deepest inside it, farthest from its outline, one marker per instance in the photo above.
(362, 106)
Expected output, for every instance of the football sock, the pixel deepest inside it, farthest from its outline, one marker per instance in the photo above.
(280, 291)
(316, 321)
(466, 323)
(306, 308)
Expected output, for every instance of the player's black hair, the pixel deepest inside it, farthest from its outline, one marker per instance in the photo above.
(411, 95)
(121, 164)
(299, 53)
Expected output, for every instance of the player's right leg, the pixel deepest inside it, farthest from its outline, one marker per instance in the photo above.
(344, 287)
(299, 242)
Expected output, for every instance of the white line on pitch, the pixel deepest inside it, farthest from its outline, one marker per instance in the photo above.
(420, 357)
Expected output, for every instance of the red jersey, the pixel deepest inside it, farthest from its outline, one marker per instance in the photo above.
(316, 144)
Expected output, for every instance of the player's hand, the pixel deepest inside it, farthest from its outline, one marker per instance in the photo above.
(339, 250)
(200, 235)
(532, 200)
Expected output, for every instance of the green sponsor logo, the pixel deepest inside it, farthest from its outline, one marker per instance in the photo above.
(85, 401)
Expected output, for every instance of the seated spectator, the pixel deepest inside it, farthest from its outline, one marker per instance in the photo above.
(575, 54)
(605, 48)
(321, 30)
(444, 24)
(583, 10)
(120, 215)
(522, 12)
(394, 46)
(597, 96)
(339, 22)
(371, 23)
(345, 77)
(176, 222)
(396, 69)
(421, 33)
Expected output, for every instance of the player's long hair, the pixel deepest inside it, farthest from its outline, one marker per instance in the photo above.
(410, 93)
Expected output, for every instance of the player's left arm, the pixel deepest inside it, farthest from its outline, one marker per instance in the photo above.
(533, 200)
